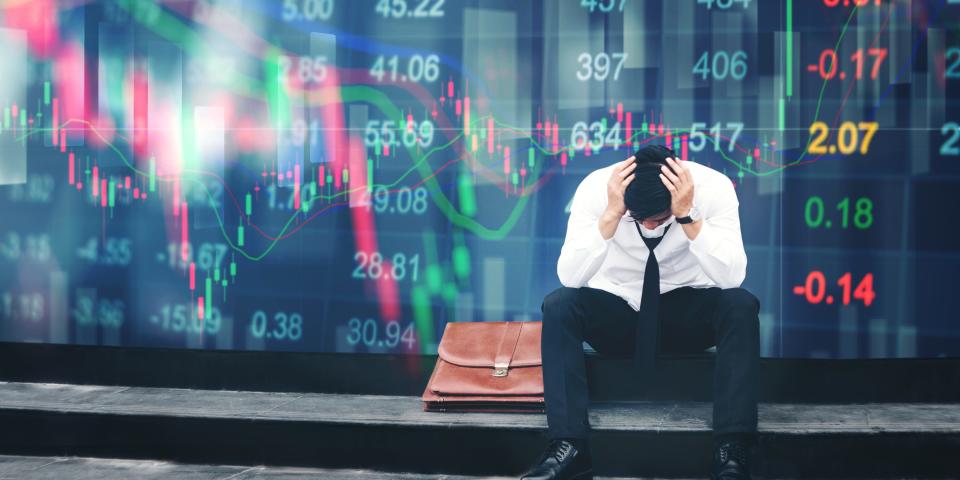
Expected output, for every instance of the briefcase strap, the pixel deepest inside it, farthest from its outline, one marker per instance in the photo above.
(507, 347)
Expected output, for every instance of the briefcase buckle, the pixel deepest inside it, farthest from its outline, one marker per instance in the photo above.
(500, 370)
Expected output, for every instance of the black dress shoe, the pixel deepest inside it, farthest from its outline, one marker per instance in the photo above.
(562, 460)
(730, 462)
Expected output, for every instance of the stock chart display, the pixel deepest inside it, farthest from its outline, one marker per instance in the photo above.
(349, 176)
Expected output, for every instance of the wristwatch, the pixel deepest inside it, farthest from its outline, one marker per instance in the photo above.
(693, 216)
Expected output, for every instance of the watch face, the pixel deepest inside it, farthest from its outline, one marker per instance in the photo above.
(694, 214)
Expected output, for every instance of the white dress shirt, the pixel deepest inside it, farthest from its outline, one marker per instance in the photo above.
(714, 259)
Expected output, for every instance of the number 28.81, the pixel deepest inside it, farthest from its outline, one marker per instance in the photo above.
(371, 265)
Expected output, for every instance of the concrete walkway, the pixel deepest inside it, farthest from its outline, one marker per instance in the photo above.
(78, 468)
(406, 411)
(74, 468)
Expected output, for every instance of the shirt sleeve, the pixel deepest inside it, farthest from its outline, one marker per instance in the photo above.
(719, 246)
(584, 248)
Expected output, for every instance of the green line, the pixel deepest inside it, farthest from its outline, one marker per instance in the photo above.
(380, 100)
(46, 93)
(179, 33)
(816, 116)
(789, 49)
(823, 88)
(384, 104)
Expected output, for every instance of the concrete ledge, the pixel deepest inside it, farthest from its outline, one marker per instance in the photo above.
(341, 409)
(799, 380)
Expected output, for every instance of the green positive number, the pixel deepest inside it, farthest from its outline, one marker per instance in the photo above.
(862, 215)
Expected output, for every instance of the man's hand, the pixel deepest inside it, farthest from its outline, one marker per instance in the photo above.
(621, 176)
(677, 179)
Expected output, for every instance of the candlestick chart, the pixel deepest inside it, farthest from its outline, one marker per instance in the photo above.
(333, 176)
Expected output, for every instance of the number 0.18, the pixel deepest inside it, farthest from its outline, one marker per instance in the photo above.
(813, 212)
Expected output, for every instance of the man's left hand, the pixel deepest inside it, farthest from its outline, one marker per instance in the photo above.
(677, 179)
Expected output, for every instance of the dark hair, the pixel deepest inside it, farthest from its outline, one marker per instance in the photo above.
(646, 195)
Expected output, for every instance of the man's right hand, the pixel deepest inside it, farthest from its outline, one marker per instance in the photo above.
(621, 176)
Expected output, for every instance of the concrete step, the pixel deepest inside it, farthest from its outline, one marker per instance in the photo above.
(22, 467)
(392, 433)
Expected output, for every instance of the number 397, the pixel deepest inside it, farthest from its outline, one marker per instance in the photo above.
(597, 67)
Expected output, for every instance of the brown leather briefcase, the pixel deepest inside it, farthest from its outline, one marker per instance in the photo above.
(487, 367)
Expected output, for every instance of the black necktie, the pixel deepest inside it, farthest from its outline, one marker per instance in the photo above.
(647, 322)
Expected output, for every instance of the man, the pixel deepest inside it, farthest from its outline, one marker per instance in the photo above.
(616, 295)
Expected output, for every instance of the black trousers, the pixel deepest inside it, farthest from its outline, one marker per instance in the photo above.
(691, 320)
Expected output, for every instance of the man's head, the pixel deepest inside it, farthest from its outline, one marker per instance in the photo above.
(646, 197)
